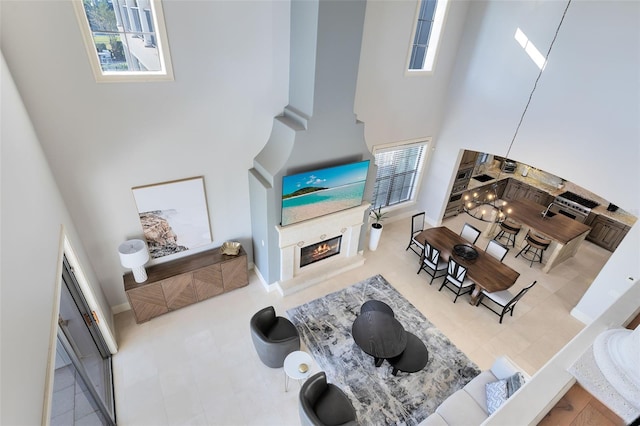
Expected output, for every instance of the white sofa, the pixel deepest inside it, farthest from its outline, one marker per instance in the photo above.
(468, 406)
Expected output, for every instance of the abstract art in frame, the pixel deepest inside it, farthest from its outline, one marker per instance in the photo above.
(174, 215)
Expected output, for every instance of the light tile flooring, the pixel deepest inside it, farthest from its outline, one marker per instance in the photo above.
(197, 366)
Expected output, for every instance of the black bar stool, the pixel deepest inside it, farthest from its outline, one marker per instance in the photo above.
(509, 229)
(536, 244)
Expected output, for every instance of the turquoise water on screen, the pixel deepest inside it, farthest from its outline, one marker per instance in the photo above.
(351, 194)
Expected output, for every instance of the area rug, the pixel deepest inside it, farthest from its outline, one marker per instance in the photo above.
(379, 397)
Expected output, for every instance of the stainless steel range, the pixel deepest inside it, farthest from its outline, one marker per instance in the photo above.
(573, 205)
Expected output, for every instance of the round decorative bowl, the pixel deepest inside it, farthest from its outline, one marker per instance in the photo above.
(303, 368)
(465, 251)
(231, 248)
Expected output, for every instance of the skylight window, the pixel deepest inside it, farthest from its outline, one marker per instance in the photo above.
(426, 34)
(530, 48)
(125, 39)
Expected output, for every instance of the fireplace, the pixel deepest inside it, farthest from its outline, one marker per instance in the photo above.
(320, 251)
(339, 231)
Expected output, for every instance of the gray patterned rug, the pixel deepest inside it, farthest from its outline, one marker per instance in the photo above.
(379, 397)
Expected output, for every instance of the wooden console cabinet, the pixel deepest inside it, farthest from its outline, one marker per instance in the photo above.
(185, 281)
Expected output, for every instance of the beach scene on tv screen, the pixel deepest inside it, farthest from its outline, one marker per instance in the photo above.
(320, 192)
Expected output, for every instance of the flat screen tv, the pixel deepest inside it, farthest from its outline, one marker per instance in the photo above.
(323, 191)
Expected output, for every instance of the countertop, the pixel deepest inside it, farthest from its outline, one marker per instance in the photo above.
(619, 215)
(559, 228)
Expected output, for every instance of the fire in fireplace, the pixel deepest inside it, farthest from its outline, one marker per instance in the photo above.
(319, 251)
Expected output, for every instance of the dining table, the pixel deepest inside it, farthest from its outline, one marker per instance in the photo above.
(487, 272)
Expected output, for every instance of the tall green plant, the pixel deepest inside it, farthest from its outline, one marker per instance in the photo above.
(378, 216)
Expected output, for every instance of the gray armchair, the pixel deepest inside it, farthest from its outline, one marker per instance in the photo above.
(274, 337)
(325, 404)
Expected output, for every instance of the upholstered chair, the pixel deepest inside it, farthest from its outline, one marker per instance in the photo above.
(274, 337)
(322, 403)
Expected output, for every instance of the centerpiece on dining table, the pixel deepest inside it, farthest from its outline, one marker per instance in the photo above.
(465, 251)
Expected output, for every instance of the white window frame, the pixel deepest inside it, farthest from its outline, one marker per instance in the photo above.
(382, 148)
(439, 17)
(166, 70)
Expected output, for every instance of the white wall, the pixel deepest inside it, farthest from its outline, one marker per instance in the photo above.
(582, 122)
(230, 61)
(33, 214)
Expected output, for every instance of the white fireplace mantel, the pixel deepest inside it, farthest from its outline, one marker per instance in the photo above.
(347, 223)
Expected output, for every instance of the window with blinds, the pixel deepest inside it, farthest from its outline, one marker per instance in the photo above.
(399, 171)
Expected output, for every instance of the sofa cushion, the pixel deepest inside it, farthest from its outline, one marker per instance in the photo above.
(477, 388)
(514, 383)
(496, 395)
(503, 367)
(433, 420)
(461, 409)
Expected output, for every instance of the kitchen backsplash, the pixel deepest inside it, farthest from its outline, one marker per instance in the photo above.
(540, 175)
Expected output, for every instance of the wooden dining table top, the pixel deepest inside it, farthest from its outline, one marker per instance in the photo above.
(486, 271)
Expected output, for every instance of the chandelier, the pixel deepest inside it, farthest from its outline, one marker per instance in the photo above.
(488, 208)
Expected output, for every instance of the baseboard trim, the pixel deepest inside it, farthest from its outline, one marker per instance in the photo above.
(120, 308)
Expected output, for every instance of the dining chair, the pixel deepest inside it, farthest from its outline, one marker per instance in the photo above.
(432, 263)
(508, 229)
(536, 244)
(470, 233)
(504, 299)
(457, 276)
(496, 250)
(417, 226)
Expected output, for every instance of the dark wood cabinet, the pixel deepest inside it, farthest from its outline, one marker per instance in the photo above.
(515, 190)
(607, 233)
(468, 159)
(182, 282)
(536, 195)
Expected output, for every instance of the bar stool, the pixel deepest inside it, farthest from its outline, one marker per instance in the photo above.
(536, 244)
(509, 229)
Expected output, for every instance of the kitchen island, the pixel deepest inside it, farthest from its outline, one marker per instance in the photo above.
(565, 234)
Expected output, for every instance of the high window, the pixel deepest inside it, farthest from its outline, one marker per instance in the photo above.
(125, 39)
(426, 34)
(399, 171)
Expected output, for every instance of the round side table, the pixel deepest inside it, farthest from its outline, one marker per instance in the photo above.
(297, 365)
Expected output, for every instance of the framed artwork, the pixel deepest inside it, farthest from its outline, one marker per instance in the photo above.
(174, 215)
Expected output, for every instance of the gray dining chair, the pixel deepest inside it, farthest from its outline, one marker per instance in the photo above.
(432, 263)
(457, 280)
(505, 300)
(417, 226)
(496, 250)
(470, 233)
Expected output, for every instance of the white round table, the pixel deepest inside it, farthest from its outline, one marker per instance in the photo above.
(292, 366)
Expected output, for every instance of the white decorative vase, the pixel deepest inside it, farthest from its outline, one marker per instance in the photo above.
(374, 237)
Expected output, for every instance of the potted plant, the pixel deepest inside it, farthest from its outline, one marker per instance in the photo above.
(376, 227)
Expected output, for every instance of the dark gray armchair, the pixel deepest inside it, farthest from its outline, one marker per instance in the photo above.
(325, 404)
(274, 337)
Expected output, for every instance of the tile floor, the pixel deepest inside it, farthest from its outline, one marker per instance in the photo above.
(197, 366)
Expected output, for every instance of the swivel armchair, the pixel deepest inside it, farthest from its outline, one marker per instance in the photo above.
(273, 337)
(323, 403)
